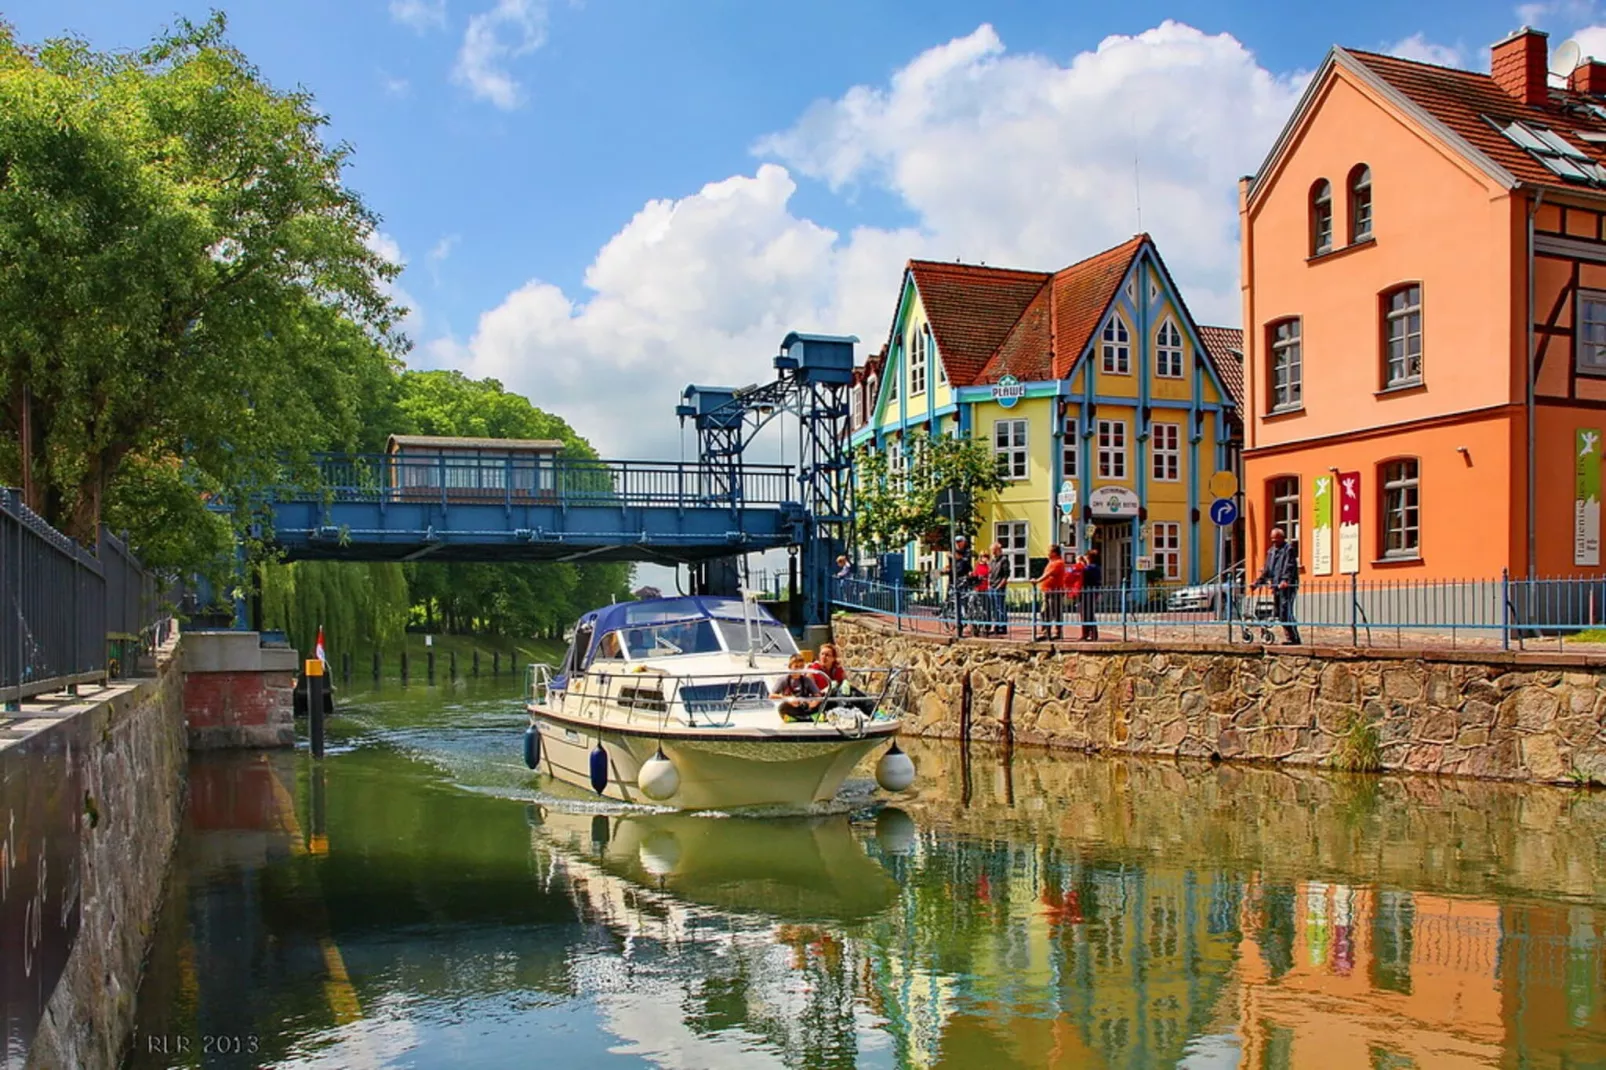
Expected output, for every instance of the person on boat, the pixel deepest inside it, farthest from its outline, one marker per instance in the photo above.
(827, 669)
(797, 692)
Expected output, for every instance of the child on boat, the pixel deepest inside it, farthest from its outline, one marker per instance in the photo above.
(798, 693)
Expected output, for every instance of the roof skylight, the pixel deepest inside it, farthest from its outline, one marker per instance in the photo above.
(1560, 156)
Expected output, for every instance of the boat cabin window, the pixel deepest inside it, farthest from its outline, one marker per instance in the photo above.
(582, 643)
(669, 640)
(611, 648)
(768, 637)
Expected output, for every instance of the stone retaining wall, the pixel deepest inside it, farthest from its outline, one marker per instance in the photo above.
(131, 759)
(1503, 715)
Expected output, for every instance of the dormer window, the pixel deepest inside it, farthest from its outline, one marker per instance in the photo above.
(1360, 204)
(1321, 218)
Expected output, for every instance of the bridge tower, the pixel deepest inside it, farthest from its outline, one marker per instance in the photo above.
(814, 373)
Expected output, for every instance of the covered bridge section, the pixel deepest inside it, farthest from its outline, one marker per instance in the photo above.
(477, 499)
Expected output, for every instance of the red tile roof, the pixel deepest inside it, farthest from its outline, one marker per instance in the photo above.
(972, 310)
(1460, 100)
(990, 322)
(1226, 348)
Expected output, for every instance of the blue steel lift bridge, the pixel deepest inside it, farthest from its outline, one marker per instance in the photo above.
(378, 507)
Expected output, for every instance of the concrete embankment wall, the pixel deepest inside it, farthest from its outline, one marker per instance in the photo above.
(1510, 716)
(95, 787)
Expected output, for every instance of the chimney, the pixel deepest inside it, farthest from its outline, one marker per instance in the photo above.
(1588, 77)
(1519, 65)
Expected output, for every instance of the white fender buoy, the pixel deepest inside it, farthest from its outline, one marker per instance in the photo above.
(660, 853)
(894, 772)
(658, 779)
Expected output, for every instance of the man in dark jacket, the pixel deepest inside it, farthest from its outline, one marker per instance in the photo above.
(998, 577)
(961, 565)
(1092, 580)
(1281, 574)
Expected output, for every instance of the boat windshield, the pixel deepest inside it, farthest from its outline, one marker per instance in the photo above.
(769, 637)
(668, 640)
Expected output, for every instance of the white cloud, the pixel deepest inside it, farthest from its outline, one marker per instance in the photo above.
(1556, 12)
(443, 248)
(1419, 48)
(1005, 158)
(387, 248)
(1592, 41)
(393, 86)
(419, 15)
(511, 29)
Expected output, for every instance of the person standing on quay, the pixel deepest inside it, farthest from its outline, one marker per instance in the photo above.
(961, 563)
(1092, 580)
(1053, 583)
(998, 576)
(1281, 574)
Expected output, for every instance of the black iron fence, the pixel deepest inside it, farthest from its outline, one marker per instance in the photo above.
(69, 616)
(1502, 611)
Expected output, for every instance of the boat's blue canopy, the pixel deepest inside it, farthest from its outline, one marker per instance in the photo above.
(591, 627)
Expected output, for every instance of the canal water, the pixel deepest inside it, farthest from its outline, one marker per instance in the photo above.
(419, 899)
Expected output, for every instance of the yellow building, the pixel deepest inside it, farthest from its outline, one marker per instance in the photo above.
(1105, 407)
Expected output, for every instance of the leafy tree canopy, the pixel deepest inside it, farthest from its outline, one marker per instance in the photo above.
(892, 510)
(187, 288)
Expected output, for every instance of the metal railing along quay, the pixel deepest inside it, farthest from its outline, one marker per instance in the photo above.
(65, 607)
(1503, 611)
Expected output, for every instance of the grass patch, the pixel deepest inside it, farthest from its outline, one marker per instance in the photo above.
(1356, 750)
(1593, 635)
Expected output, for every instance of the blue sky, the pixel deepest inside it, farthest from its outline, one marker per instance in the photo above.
(600, 201)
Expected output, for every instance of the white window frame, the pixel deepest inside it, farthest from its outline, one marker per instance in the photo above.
(898, 464)
(1285, 507)
(935, 358)
(1166, 466)
(1070, 446)
(1397, 355)
(1166, 539)
(1168, 351)
(1015, 537)
(1401, 508)
(917, 362)
(1112, 449)
(1116, 350)
(1360, 205)
(1321, 218)
(1287, 364)
(893, 382)
(1590, 352)
(1009, 449)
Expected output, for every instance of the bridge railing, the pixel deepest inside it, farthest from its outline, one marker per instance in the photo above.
(541, 480)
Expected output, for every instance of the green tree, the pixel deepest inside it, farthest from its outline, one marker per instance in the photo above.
(187, 289)
(891, 511)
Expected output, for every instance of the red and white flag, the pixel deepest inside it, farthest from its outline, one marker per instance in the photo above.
(317, 649)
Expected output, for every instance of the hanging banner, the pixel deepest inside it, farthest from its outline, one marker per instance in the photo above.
(1321, 540)
(1349, 523)
(1586, 497)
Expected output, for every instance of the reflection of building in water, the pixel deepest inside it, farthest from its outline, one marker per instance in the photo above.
(1337, 976)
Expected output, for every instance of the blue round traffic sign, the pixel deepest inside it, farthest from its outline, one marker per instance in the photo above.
(1223, 511)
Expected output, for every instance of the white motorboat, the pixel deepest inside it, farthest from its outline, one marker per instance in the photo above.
(670, 701)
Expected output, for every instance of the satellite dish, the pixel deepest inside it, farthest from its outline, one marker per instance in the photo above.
(1566, 58)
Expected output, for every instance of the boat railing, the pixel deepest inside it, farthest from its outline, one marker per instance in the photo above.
(712, 700)
(538, 681)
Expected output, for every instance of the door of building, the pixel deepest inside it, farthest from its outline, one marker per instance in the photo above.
(1113, 541)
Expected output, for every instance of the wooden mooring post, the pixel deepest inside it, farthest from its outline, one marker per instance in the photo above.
(451, 670)
(496, 663)
(476, 662)
(1009, 713)
(377, 668)
(429, 663)
(404, 666)
(964, 708)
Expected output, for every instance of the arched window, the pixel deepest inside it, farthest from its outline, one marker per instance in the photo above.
(935, 357)
(1401, 485)
(1117, 357)
(1360, 203)
(1282, 494)
(1168, 351)
(1321, 217)
(917, 363)
(1287, 364)
(1402, 336)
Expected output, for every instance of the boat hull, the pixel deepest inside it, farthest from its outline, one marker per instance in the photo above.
(717, 770)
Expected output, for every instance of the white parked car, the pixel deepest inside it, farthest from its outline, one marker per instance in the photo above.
(1212, 596)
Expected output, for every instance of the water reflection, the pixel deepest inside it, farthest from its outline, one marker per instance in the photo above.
(1044, 911)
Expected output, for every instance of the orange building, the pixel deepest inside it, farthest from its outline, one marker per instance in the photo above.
(1424, 291)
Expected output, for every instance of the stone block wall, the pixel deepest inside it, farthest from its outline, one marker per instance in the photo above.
(1503, 715)
(132, 770)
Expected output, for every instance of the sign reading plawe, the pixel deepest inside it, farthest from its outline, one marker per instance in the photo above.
(1349, 523)
(1321, 545)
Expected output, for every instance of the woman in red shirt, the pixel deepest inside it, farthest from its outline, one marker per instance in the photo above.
(1054, 582)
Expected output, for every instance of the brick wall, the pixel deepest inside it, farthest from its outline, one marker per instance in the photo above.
(251, 708)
